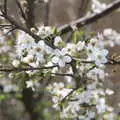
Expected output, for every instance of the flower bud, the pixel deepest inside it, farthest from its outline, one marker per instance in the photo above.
(16, 63)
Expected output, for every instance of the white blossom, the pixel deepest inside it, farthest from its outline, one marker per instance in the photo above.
(57, 41)
(16, 63)
(80, 45)
(44, 31)
(28, 59)
(101, 105)
(109, 91)
(30, 84)
(61, 58)
(96, 54)
(97, 7)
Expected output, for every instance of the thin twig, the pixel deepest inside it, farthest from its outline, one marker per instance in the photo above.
(21, 10)
(63, 74)
(11, 30)
(5, 6)
(70, 93)
(24, 69)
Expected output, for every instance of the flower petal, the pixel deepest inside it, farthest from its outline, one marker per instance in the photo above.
(55, 59)
(67, 59)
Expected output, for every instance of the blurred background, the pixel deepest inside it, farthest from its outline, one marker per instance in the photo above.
(57, 13)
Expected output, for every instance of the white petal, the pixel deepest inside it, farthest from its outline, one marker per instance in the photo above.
(55, 59)
(57, 40)
(67, 59)
(41, 43)
(61, 63)
(57, 52)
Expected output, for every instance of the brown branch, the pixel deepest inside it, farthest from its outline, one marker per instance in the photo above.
(24, 69)
(21, 10)
(70, 93)
(89, 19)
(20, 27)
(47, 13)
(62, 74)
(5, 26)
(30, 18)
(110, 61)
(5, 6)
(11, 30)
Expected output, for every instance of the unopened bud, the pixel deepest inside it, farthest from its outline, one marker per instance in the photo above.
(16, 63)
(33, 30)
(24, 3)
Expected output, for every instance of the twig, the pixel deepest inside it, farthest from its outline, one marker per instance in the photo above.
(5, 6)
(110, 61)
(89, 19)
(21, 10)
(24, 69)
(70, 93)
(11, 30)
(5, 26)
(18, 26)
(63, 74)
(30, 18)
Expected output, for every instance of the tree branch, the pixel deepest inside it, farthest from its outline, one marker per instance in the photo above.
(89, 19)
(47, 13)
(21, 10)
(30, 18)
(5, 6)
(24, 69)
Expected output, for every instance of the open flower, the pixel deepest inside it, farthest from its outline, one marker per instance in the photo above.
(80, 45)
(61, 58)
(58, 41)
(44, 31)
(16, 63)
(96, 54)
(30, 84)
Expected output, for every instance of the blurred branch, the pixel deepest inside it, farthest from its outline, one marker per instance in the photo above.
(18, 26)
(5, 26)
(21, 9)
(62, 74)
(47, 12)
(5, 6)
(89, 19)
(30, 18)
(24, 69)
(70, 93)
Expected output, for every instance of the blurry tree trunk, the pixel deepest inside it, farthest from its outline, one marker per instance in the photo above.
(47, 12)
(27, 93)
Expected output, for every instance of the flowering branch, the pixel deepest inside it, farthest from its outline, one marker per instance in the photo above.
(67, 27)
(110, 62)
(89, 19)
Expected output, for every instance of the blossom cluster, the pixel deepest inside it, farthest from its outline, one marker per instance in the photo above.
(88, 101)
